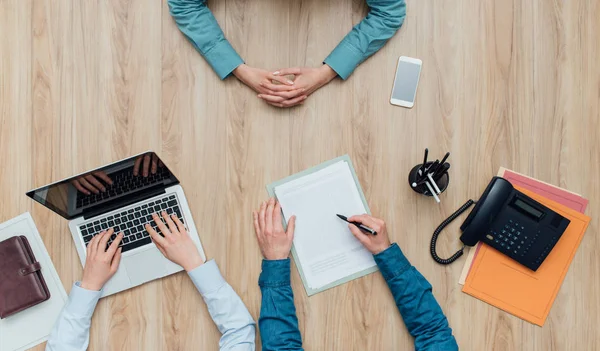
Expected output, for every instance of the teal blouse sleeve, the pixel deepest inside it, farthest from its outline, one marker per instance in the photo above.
(198, 24)
(366, 38)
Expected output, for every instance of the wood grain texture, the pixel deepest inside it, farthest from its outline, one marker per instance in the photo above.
(515, 84)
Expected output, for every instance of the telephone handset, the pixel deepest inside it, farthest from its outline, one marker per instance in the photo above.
(510, 222)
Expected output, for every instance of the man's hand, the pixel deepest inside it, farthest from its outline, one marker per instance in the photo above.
(307, 80)
(261, 81)
(101, 264)
(176, 245)
(275, 244)
(91, 184)
(374, 243)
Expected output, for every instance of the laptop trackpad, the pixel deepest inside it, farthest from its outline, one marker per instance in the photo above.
(145, 266)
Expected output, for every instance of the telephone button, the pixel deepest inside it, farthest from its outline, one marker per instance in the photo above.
(489, 237)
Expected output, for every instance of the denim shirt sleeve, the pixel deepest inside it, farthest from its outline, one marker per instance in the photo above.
(198, 24)
(226, 308)
(366, 38)
(278, 323)
(422, 314)
(71, 331)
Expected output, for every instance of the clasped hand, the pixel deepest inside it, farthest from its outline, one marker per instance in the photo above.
(276, 89)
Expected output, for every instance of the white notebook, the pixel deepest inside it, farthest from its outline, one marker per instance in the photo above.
(326, 249)
(32, 326)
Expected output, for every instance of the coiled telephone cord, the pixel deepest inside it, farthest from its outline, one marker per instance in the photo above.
(439, 229)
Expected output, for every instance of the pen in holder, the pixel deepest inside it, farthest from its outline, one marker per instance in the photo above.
(430, 178)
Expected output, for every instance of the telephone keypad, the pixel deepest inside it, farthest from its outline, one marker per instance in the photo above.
(511, 240)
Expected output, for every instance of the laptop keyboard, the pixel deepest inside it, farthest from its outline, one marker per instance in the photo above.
(123, 182)
(132, 223)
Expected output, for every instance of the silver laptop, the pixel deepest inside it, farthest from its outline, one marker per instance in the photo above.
(123, 196)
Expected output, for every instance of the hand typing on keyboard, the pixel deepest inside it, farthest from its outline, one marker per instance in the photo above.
(101, 263)
(175, 243)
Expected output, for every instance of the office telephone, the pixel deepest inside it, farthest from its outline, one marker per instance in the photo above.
(510, 222)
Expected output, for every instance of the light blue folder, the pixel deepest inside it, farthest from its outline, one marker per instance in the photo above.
(271, 190)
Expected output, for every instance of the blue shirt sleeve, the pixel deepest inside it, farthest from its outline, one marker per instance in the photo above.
(278, 323)
(366, 38)
(226, 308)
(422, 314)
(198, 24)
(71, 331)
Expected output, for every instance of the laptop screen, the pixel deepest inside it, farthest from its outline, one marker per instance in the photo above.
(106, 188)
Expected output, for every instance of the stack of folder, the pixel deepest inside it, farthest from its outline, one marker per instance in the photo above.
(502, 282)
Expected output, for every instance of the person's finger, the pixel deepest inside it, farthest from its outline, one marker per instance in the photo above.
(364, 219)
(256, 225)
(276, 104)
(94, 243)
(112, 249)
(277, 223)
(288, 95)
(358, 234)
(163, 228)
(88, 186)
(102, 175)
(280, 79)
(78, 186)
(114, 266)
(277, 87)
(104, 240)
(146, 165)
(158, 240)
(90, 178)
(170, 223)
(293, 102)
(91, 246)
(261, 215)
(136, 166)
(180, 225)
(288, 71)
(291, 227)
(154, 166)
(269, 216)
(271, 98)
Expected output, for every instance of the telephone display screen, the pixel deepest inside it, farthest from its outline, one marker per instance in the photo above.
(532, 211)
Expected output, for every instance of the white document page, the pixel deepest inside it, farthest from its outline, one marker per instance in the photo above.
(32, 326)
(327, 250)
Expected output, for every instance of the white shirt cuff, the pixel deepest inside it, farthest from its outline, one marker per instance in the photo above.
(83, 302)
(207, 278)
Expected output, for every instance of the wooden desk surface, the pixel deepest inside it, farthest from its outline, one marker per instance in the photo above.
(517, 84)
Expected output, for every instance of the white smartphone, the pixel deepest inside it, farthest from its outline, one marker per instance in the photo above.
(406, 82)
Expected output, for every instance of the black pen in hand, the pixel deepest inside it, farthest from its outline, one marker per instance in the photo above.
(361, 226)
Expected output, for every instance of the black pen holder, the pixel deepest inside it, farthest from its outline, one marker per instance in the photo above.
(414, 177)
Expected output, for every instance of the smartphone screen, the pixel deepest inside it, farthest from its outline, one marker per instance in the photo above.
(407, 78)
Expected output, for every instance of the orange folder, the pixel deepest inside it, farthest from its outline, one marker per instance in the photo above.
(504, 283)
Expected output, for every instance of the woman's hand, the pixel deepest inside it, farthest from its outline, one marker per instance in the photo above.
(262, 82)
(307, 80)
(176, 245)
(101, 263)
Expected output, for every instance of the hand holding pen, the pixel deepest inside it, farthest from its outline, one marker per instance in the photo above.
(374, 243)
(361, 226)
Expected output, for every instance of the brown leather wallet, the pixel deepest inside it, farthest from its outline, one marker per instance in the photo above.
(21, 282)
